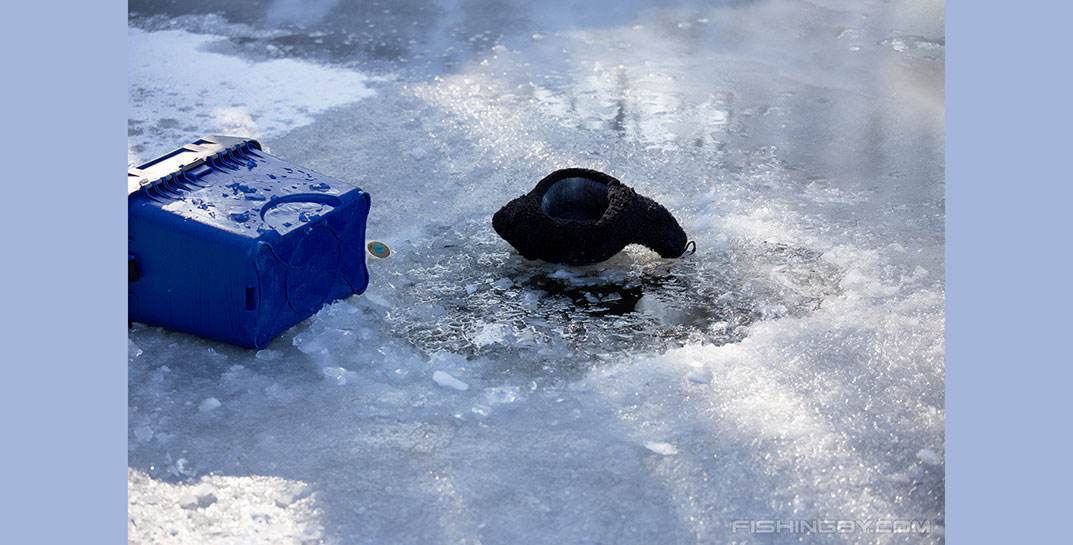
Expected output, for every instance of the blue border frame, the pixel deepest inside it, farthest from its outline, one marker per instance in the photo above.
(1008, 285)
(64, 365)
(1008, 271)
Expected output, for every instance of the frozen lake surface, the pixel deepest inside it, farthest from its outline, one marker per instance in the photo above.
(792, 369)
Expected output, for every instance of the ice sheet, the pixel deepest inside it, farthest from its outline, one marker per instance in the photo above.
(791, 370)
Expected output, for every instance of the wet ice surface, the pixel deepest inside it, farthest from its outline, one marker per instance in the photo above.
(790, 369)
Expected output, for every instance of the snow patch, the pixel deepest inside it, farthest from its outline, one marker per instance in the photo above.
(179, 91)
(255, 510)
(209, 404)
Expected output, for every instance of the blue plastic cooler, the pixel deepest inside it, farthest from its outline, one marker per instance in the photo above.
(233, 244)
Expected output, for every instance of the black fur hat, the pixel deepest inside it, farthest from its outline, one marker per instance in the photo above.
(577, 216)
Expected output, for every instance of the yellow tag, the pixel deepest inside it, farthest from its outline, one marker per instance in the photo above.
(378, 249)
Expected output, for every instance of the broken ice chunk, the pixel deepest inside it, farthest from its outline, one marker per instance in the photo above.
(447, 381)
(268, 354)
(209, 404)
(663, 449)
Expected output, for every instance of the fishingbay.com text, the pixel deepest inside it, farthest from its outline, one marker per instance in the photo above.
(830, 526)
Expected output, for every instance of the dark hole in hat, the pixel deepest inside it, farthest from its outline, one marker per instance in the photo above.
(578, 199)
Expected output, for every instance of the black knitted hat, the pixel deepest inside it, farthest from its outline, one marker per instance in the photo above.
(577, 216)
